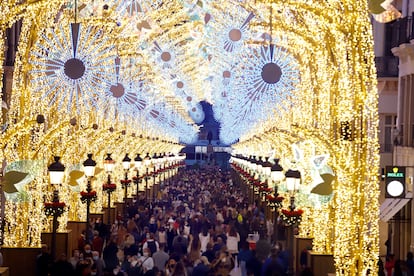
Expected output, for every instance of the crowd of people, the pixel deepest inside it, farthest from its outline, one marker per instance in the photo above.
(200, 223)
(397, 267)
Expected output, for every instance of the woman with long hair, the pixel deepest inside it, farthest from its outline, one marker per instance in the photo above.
(204, 237)
(232, 243)
(194, 252)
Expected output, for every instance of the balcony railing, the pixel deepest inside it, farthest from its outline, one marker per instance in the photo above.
(401, 31)
(384, 148)
(386, 66)
(397, 32)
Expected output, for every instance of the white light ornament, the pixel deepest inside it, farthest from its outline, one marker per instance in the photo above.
(163, 56)
(193, 107)
(234, 37)
(127, 96)
(196, 113)
(72, 67)
(268, 77)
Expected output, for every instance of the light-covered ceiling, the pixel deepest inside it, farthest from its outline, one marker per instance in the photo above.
(154, 61)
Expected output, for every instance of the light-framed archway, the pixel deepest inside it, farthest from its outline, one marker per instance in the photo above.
(330, 98)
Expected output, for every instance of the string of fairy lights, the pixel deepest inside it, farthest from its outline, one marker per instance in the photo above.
(278, 73)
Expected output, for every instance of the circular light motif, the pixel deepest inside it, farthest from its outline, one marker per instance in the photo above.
(117, 90)
(271, 73)
(180, 84)
(395, 188)
(235, 35)
(163, 57)
(166, 56)
(74, 68)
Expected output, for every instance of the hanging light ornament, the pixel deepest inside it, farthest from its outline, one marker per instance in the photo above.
(72, 68)
(128, 94)
(266, 77)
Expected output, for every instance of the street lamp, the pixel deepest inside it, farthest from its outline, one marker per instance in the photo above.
(266, 171)
(90, 195)
(164, 168)
(252, 173)
(253, 164)
(137, 165)
(155, 161)
(170, 159)
(276, 175)
(292, 181)
(55, 208)
(259, 167)
(109, 187)
(126, 163)
(292, 217)
(147, 164)
(267, 168)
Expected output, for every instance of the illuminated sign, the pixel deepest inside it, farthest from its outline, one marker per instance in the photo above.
(394, 182)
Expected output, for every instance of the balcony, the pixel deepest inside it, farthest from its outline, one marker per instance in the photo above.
(400, 31)
(396, 33)
(387, 66)
(386, 148)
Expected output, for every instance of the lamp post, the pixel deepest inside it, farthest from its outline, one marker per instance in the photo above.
(293, 178)
(164, 172)
(169, 167)
(90, 195)
(277, 175)
(109, 187)
(55, 208)
(154, 175)
(253, 167)
(126, 162)
(147, 163)
(137, 165)
(266, 171)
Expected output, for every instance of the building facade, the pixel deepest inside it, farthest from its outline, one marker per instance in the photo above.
(394, 53)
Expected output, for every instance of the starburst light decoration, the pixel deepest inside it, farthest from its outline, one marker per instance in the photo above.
(127, 95)
(235, 36)
(271, 75)
(72, 66)
(164, 56)
(266, 79)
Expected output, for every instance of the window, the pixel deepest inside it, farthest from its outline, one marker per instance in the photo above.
(389, 132)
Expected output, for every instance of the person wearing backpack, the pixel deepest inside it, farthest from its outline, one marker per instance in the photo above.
(151, 244)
